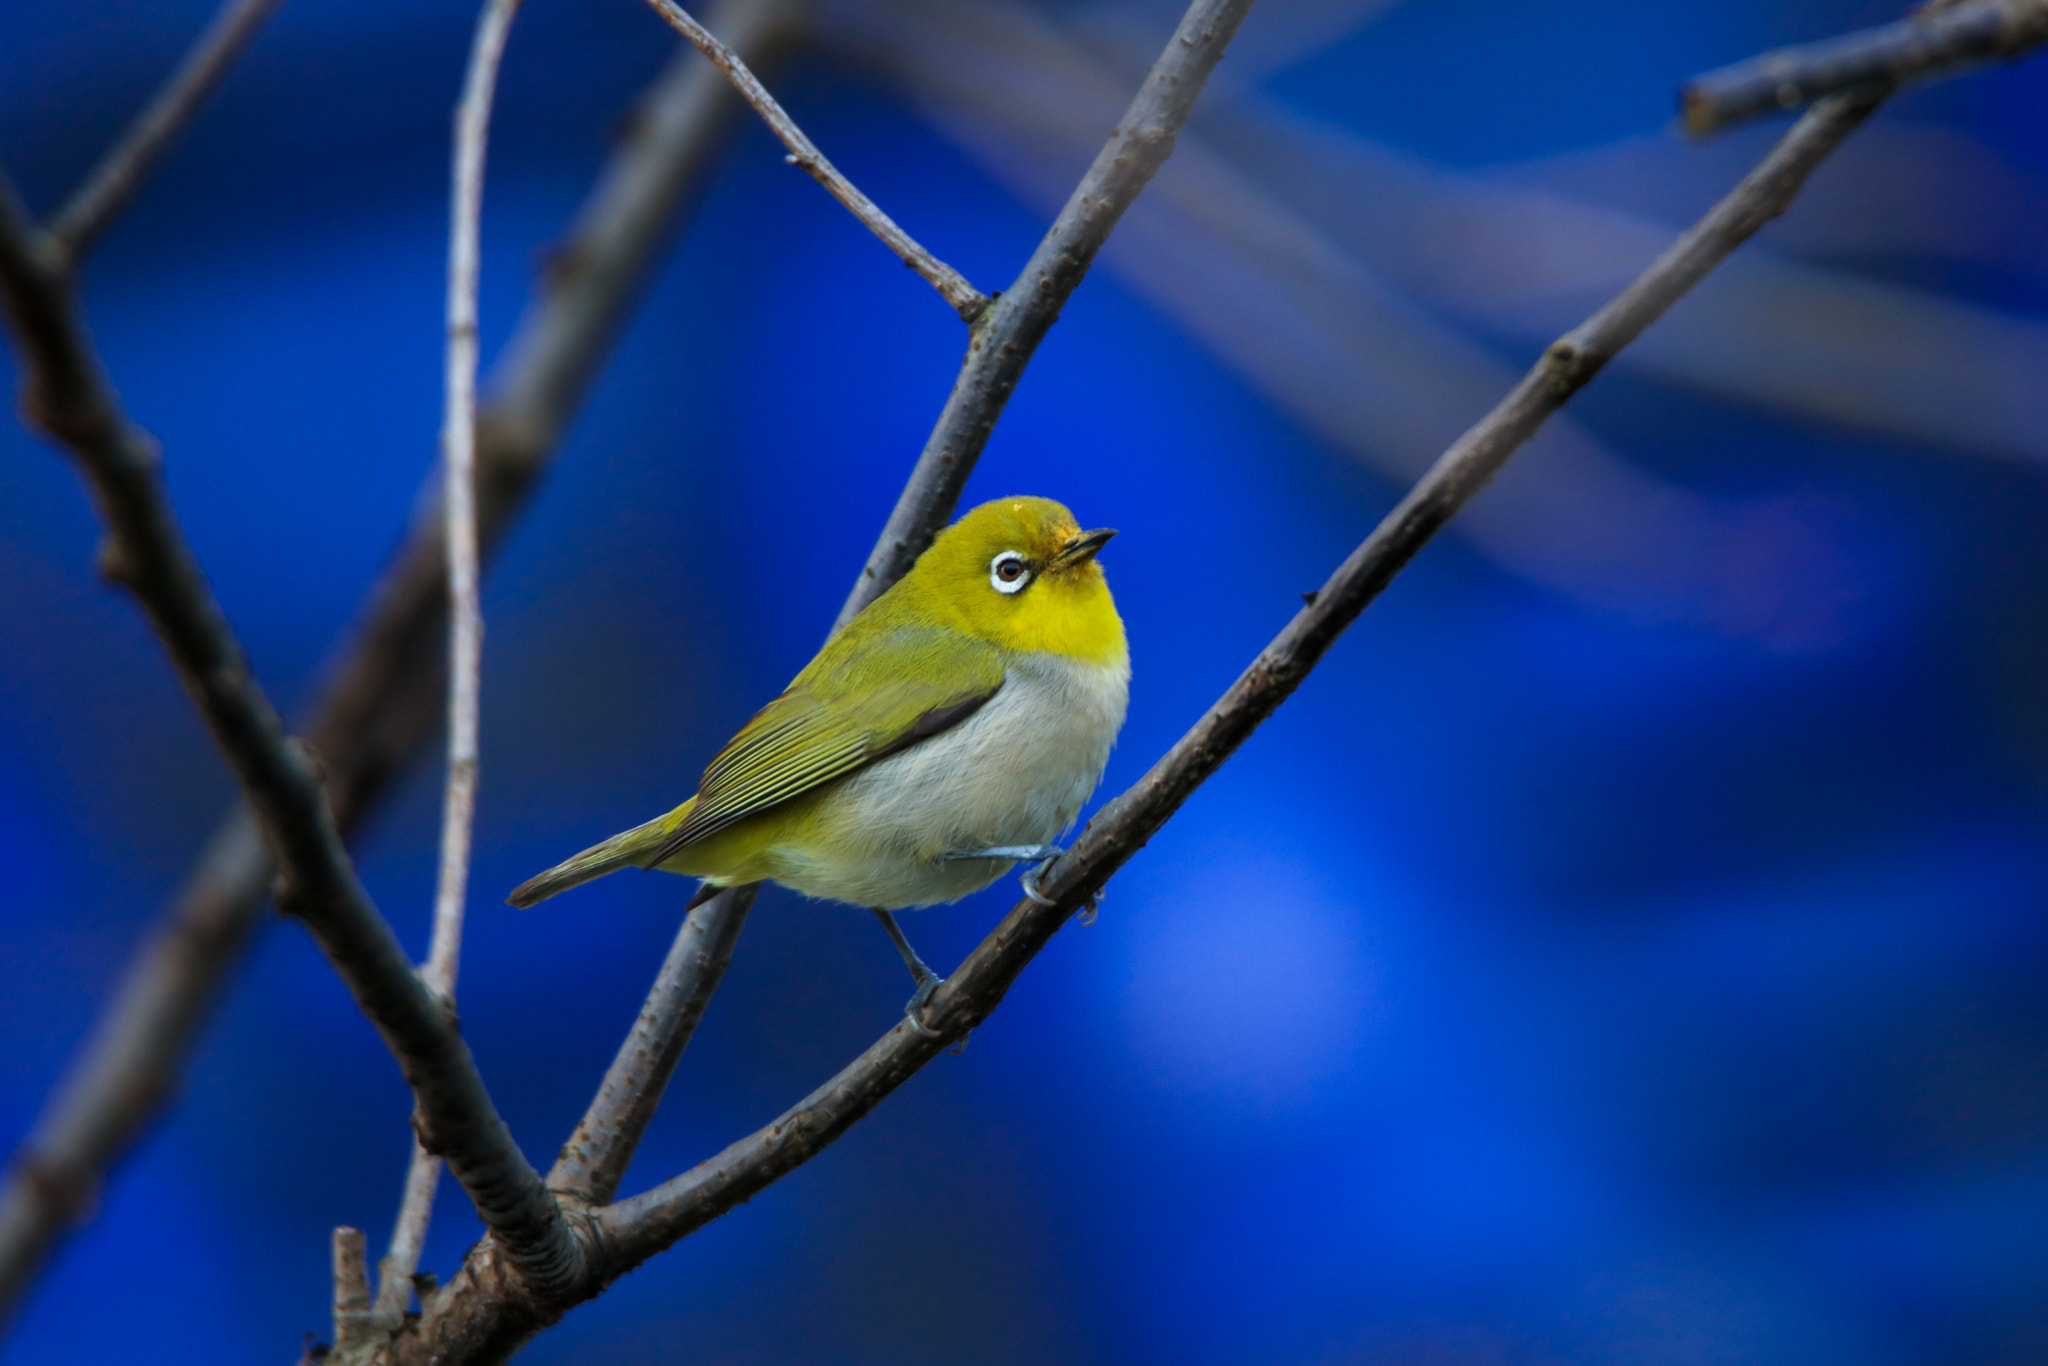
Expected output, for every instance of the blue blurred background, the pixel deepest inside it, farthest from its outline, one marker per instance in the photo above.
(1628, 947)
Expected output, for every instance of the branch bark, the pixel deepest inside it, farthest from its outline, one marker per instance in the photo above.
(966, 300)
(111, 184)
(1943, 37)
(637, 1228)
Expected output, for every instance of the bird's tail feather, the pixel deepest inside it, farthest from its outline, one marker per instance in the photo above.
(627, 850)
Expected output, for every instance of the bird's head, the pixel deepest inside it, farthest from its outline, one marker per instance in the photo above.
(1021, 573)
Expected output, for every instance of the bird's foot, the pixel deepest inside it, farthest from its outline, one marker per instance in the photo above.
(1030, 884)
(913, 1009)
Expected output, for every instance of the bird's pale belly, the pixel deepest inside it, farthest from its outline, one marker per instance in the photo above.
(1016, 772)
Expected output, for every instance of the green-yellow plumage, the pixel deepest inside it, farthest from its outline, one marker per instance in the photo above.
(971, 706)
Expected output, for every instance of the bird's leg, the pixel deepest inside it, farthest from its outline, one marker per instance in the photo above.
(927, 980)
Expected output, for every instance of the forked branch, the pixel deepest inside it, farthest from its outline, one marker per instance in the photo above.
(1016, 322)
(382, 696)
(1945, 36)
(66, 394)
(966, 300)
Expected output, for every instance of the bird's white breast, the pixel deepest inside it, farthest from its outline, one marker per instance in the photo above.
(1015, 772)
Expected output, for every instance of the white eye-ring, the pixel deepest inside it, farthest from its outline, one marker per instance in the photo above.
(1008, 573)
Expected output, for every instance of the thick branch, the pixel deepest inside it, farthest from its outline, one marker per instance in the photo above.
(967, 301)
(1943, 37)
(66, 395)
(1008, 333)
(635, 1229)
(381, 700)
(120, 173)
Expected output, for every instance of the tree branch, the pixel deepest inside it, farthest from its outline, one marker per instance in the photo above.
(635, 1229)
(113, 182)
(966, 300)
(1008, 333)
(66, 394)
(1944, 36)
(380, 701)
(466, 639)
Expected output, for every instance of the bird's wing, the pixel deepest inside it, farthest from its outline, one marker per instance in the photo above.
(852, 707)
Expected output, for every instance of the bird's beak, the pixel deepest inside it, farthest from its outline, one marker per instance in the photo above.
(1082, 547)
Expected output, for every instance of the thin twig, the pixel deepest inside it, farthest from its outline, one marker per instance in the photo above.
(1009, 332)
(381, 700)
(66, 395)
(111, 184)
(637, 1228)
(966, 300)
(1941, 38)
(466, 638)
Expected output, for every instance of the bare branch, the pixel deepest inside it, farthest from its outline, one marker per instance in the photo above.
(966, 300)
(120, 173)
(637, 1228)
(1941, 38)
(1009, 331)
(381, 699)
(595, 1158)
(466, 638)
(66, 394)
(354, 1324)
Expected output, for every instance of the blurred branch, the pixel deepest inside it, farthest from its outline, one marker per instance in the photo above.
(66, 395)
(636, 1228)
(1942, 37)
(1007, 335)
(967, 301)
(379, 702)
(466, 638)
(120, 173)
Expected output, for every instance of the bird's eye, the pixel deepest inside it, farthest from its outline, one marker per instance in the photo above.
(1007, 572)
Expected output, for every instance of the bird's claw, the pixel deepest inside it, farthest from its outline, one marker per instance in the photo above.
(913, 1009)
(1030, 884)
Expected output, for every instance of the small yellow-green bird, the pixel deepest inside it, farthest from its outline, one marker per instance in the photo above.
(952, 730)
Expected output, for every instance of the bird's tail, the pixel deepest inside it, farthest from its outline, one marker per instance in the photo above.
(628, 850)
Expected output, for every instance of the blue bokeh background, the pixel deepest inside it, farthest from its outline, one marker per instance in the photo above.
(1546, 982)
